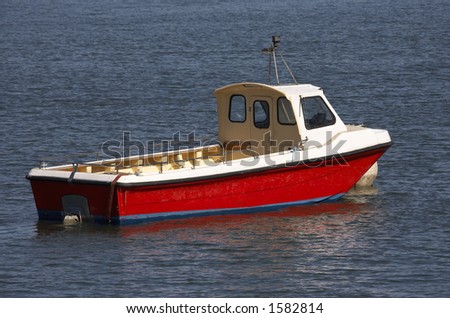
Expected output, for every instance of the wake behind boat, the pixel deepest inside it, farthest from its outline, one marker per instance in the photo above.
(278, 145)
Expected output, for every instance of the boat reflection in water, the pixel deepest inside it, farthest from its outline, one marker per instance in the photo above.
(290, 217)
(308, 219)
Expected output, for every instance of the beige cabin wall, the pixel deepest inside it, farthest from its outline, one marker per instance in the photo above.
(227, 130)
(284, 136)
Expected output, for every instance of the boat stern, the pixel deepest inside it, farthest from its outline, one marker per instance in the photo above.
(61, 195)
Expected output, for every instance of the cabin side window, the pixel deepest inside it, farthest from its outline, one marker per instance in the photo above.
(261, 117)
(285, 114)
(316, 113)
(237, 113)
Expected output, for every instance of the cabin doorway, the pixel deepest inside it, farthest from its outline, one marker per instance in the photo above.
(260, 115)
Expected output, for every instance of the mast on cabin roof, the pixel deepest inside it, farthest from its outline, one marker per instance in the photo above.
(273, 50)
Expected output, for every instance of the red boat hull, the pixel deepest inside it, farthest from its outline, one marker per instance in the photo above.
(303, 183)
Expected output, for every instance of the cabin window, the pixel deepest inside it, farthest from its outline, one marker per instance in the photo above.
(316, 113)
(237, 112)
(261, 114)
(285, 113)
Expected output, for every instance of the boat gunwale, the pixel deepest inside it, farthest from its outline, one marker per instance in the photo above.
(318, 161)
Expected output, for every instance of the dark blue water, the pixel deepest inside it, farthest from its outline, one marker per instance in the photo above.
(74, 74)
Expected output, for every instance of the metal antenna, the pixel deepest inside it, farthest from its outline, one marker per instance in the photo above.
(275, 42)
(272, 51)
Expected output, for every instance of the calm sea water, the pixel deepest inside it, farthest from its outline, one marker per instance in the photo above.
(74, 74)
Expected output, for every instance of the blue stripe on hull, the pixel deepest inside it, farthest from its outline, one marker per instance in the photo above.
(50, 215)
(59, 215)
(185, 214)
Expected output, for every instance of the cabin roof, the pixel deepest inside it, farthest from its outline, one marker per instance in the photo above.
(287, 90)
